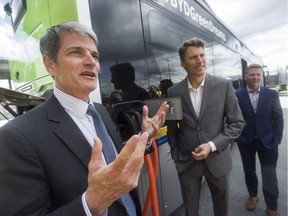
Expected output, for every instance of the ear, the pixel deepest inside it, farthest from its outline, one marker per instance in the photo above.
(49, 65)
(182, 64)
(245, 76)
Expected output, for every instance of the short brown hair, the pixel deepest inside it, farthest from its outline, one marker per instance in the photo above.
(189, 43)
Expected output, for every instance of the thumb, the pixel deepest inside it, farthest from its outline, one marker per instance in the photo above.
(96, 155)
(198, 149)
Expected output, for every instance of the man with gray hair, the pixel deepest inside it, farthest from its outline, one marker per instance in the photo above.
(51, 158)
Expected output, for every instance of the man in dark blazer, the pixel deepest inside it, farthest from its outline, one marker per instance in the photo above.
(200, 142)
(51, 160)
(263, 114)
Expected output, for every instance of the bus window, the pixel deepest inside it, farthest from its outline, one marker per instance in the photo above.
(169, 33)
(163, 64)
(167, 36)
(226, 63)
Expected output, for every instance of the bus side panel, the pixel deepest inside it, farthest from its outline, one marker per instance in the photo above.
(119, 30)
(28, 73)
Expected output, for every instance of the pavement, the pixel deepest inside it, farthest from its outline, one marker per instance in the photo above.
(238, 191)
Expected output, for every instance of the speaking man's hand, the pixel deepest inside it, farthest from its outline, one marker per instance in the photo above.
(107, 183)
(153, 125)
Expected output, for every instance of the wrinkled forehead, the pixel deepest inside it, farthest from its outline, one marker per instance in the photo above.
(69, 37)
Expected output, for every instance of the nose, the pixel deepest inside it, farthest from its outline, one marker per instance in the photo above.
(90, 60)
(199, 59)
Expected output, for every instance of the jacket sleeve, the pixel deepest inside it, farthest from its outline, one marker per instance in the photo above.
(24, 187)
(277, 117)
(234, 122)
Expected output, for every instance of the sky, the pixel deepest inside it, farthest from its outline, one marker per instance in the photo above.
(260, 24)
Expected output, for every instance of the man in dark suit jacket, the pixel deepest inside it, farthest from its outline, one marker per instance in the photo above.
(200, 142)
(263, 114)
(51, 160)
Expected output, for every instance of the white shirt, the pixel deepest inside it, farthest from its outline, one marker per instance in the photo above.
(77, 109)
(254, 97)
(196, 99)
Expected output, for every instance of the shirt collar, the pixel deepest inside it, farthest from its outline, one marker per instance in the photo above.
(249, 90)
(201, 84)
(71, 104)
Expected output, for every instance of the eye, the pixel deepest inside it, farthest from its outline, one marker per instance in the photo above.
(75, 52)
(95, 56)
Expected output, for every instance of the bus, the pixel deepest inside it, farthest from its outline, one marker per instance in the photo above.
(145, 33)
(276, 80)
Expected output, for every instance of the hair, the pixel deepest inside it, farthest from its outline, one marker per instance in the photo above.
(253, 66)
(50, 42)
(164, 85)
(189, 43)
(123, 71)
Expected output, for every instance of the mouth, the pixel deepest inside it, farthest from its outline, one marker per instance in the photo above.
(201, 67)
(88, 74)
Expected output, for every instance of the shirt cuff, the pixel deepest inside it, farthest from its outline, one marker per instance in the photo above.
(86, 209)
(212, 145)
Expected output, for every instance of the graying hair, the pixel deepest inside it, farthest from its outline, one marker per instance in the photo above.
(50, 42)
(189, 43)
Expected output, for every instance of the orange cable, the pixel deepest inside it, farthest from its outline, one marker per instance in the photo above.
(152, 169)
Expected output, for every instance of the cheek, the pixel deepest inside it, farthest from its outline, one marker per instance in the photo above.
(97, 67)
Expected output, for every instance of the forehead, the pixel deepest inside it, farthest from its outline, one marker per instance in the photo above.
(194, 50)
(74, 39)
(255, 70)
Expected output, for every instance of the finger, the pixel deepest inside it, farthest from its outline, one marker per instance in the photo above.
(162, 118)
(156, 128)
(163, 108)
(96, 155)
(145, 112)
(137, 158)
(124, 156)
(198, 149)
(141, 144)
(195, 155)
(133, 150)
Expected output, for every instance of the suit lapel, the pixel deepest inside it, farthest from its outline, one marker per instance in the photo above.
(260, 99)
(208, 86)
(247, 98)
(66, 127)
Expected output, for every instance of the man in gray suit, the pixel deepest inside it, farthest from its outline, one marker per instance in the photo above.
(200, 142)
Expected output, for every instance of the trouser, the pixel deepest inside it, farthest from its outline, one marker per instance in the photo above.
(268, 161)
(190, 182)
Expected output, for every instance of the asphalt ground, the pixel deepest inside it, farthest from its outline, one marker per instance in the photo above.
(238, 191)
